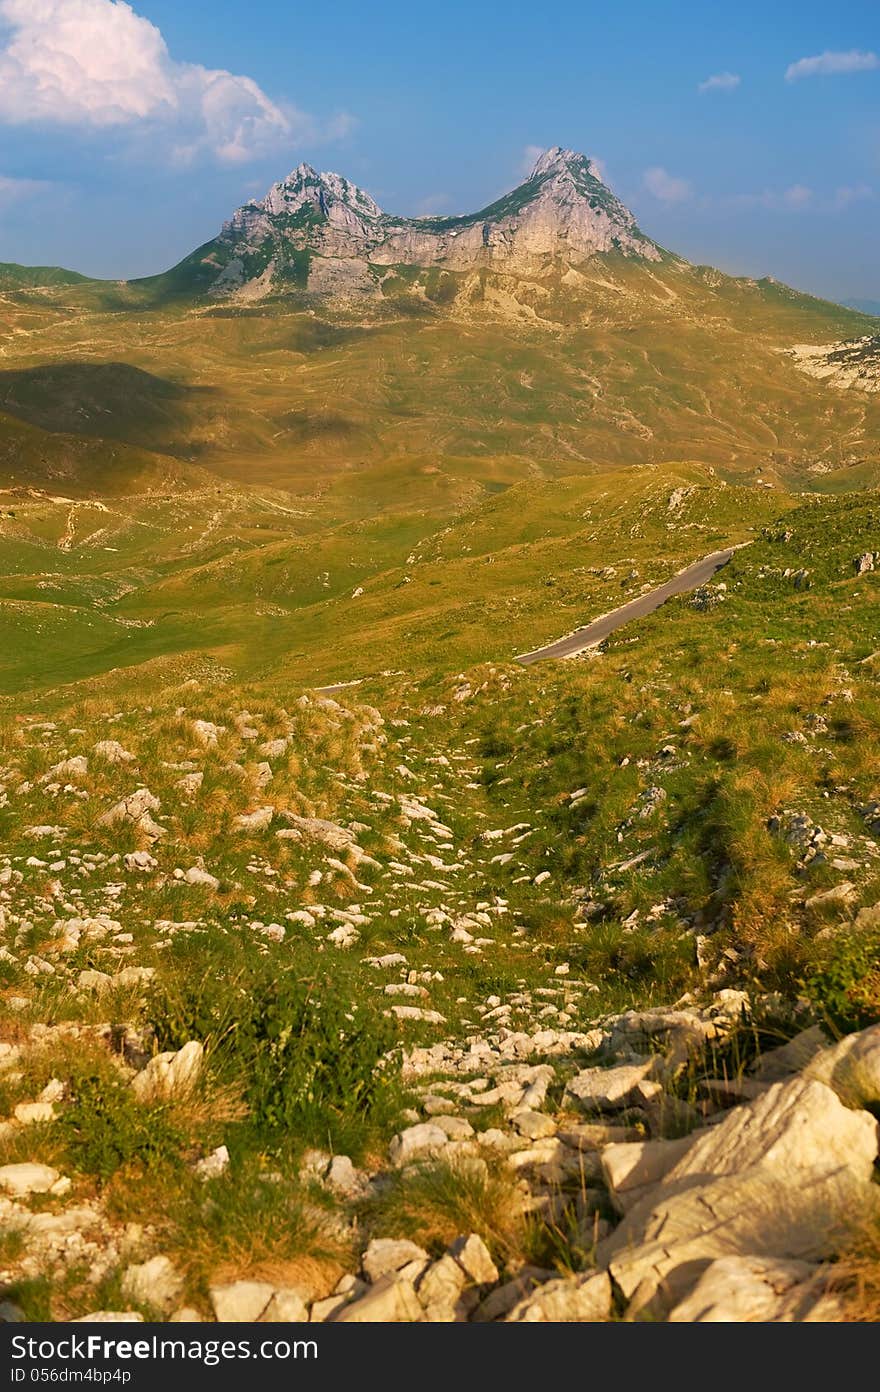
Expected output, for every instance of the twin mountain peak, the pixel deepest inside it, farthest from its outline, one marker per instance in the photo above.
(322, 234)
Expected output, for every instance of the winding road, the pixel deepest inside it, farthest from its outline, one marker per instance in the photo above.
(588, 637)
(593, 633)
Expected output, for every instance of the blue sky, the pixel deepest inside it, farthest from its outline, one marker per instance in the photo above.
(128, 133)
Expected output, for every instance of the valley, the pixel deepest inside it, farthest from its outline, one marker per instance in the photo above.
(358, 960)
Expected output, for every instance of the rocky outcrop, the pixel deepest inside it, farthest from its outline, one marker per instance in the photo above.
(750, 1290)
(775, 1178)
(854, 364)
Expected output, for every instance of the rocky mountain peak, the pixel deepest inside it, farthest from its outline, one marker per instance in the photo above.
(324, 234)
(558, 161)
(304, 195)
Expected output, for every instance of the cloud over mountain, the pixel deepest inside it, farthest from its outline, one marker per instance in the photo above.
(665, 186)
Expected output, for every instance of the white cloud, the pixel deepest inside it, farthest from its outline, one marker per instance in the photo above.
(14, 190)
(854, 60)
(98, 65)
(795, 198)
(720, 82)
(529, 158)
(848, 194)
(666, 187)
(599, 168)
(434, 205)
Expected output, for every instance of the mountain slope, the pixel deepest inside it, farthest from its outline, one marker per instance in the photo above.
(15, 277)
(544, 334)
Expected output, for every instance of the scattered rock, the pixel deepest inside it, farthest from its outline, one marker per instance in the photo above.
(214, 1165)
(241, 1302)
(28, 1178)
(390, 1301)
(285, 1307)
(574, 1299)
(155, 1283)
(388, 1254)
(417, 1142)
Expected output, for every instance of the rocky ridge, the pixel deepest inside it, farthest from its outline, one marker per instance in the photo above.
(322, 233)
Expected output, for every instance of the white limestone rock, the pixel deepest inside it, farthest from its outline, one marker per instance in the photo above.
(170, 1075)
(156, 1283)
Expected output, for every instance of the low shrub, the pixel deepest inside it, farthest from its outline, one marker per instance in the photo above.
(845, 988)
(314, 1063)
(104, 1128)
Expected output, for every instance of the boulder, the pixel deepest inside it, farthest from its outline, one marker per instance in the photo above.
(799, 1125)
(113, 752)
(329, 834)
(609, 1089)
(388, 1254)
(455, 1127)
(135, 808)
(440, 1288)
(285, 1307)
(851, 1067)
(241, 1302)
(195, 875)
(110, 1317)
(500, 1301)
(140, 861)
(76, 767)
(214, 1165)
(323, 1311)
(632, 1169)
(474, 1257)
(574, 1299)
(390, 1301)
(535, 1126)
(29, 1112)
(345, 1181)
(156, 1283)
(417, 1143)
(206, 732)
(26, 1178)
(837, 897)
(252, 822)
(170, 1075)
(751, 1290)
(91, 980)
(774, 1178)
(791, 1057)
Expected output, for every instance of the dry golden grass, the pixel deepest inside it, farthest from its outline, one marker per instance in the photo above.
(441, 1200)
(856, 1277)
(249, 1226)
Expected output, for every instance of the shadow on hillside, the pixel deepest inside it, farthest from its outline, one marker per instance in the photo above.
(113, 401)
